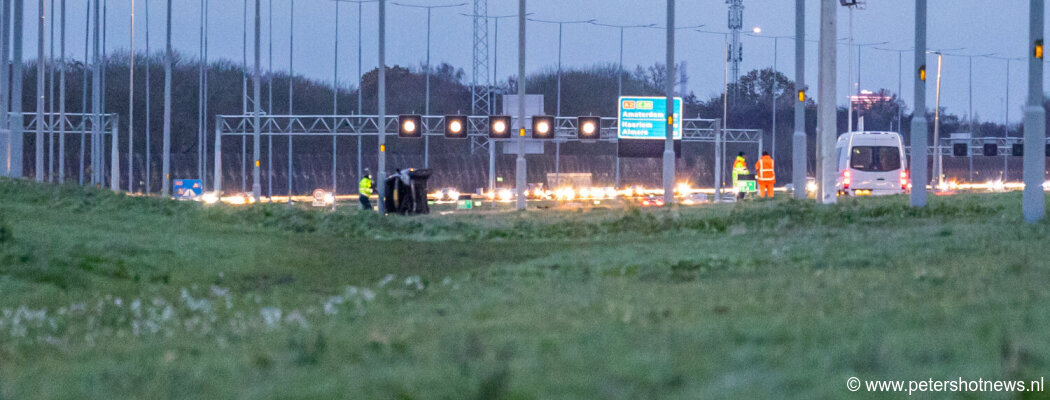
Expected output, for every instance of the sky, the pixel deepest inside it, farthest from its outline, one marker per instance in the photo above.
(960, 27)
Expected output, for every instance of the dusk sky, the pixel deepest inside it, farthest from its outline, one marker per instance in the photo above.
(972, 27)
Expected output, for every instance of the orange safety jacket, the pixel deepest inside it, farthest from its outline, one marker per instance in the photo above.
(765, 169)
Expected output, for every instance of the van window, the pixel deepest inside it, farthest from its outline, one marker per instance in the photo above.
(875, 158)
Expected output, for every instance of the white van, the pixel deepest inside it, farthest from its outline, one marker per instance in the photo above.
(871, 163)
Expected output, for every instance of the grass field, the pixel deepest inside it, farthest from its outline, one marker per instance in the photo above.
(107, 296)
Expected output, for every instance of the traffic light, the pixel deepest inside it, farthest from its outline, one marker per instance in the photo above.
(960, 149)
(499, 127)
(409, 126)
(456, 127)
(1017, 150)
(543, 127)
(1048, 150)
(801, 95)
(589, 128)
(922, 73)
(991, 149)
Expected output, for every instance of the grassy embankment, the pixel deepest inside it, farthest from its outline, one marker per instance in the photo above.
(108, 296)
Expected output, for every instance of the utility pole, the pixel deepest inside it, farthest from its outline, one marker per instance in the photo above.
(381, 171)
(669, 164)
(335, 105)
(798, 145)
(131, 103)
(62, 97)
(40, 95)
(1034, 203)
(166, 146)
(291, 86)
(619, 79)
(828, 109)
(937, 173)
(16, 120)
(96, 97)
(149, 66)
(257, 94)
(426, 93)
(5, 87)
(520, 166)
(918, 120)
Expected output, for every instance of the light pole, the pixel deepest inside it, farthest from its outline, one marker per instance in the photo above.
(5, 39)
(937, 126)
(40, 62)
(360, 77)
(668, 168)
(291, 86)
(257, 94)
(827, 109)
(798, 138)
(1034, 203)
(937, 159)
(62, 96)
(166, 146)
(918, 120)
(426, 138)
(131, 104)
(560, 24)
(149, 66)
(557, 143)
(619, 76)
(381, 171)
(520, 167)
(773, 89)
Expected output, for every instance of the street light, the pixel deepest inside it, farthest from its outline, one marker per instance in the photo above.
(619, 76)
(773, 89)
(560, 26)
(360, 79)
(426, 140)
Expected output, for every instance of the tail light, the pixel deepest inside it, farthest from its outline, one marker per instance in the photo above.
(904, 180)
(845, 179)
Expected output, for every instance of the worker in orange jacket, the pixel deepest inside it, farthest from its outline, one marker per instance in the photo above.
(766, 177)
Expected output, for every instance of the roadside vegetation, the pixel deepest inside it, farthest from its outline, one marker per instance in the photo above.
(103, 295)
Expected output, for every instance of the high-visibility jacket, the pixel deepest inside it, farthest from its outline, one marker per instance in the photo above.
(365, 187)
(739, 168)
(765, 169)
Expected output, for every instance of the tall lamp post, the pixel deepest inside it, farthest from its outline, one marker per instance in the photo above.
(918, 120)
(1034, 203)
(619, 76)
(426, 138)
(520, 166)
(561, 25)
(798, 138)
(360, 75)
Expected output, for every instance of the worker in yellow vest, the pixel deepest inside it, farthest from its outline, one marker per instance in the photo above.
(364, 190)
(766, 175)
(739, 168)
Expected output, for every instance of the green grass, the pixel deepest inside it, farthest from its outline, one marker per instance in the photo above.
(108, 296)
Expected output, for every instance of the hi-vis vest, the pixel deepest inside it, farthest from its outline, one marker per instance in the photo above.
(365, 187)
(740, 166)
(765, 169)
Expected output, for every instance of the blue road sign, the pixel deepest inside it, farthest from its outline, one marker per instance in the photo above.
(646, 118)
(188, 188)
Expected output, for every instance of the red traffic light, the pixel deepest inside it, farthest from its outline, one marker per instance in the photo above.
(410, 126)
(456, 127)
(543, 127)
(589, 128)
(499, 127)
